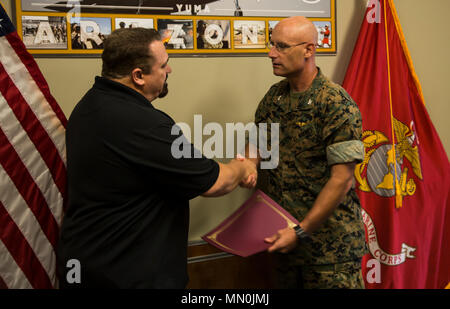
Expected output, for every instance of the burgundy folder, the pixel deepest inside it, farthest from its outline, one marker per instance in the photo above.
(244, 231)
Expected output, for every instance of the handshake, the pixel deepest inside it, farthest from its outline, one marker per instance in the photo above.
(240, 171)
(250, 172)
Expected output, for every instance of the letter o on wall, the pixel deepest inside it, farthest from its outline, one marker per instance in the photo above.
(210, 30)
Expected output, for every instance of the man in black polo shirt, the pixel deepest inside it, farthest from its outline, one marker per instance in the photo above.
(128, 214)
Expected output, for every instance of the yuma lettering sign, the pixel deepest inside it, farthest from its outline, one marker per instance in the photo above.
(255, 8)
(202, 26)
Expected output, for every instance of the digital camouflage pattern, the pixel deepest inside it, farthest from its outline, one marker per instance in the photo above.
(319, 127)
(335, 276)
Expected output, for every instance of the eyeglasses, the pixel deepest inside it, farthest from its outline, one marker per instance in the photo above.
(281, 47)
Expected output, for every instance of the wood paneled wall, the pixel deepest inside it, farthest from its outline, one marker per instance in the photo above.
(211, 268)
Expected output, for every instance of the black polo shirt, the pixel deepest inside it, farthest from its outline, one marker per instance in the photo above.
(128, 215)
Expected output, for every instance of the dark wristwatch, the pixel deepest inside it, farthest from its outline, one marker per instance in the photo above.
(301, 234)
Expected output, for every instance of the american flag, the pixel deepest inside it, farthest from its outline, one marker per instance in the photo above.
(32, 168)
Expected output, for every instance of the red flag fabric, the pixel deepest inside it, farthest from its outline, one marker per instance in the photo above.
(404, 181)
(32, 167)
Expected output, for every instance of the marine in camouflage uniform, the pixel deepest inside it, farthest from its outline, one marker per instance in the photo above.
(319, 127)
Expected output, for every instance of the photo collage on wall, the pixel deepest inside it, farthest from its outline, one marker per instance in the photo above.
(79, 27)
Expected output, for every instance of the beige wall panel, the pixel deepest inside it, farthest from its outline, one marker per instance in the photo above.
(228, 89)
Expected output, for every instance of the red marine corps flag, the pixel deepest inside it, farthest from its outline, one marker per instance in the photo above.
(32, 168)
(404, 181)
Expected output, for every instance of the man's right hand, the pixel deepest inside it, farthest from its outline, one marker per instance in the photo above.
(238, 172)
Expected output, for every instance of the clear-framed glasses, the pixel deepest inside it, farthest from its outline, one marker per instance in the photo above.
(282, 47)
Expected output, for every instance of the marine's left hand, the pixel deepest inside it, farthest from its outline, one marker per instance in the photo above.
(283, 241)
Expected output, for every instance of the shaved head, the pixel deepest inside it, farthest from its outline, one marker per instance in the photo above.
(298, 28)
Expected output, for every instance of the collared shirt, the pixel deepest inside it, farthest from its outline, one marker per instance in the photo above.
(318, 128)
(128, 215)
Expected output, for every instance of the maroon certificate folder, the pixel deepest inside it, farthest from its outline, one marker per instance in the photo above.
(244, 231)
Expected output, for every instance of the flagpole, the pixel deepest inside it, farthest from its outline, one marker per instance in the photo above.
(406, 51)
(398, 193)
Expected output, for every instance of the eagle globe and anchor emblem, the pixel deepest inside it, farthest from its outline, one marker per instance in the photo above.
(381, 159)
(386, 177)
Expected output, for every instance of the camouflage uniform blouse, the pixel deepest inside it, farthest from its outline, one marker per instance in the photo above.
(319, 127)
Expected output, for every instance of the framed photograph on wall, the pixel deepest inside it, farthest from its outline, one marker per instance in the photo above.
(249, 34)
(213, 34)
(188, 27)
(134, 23)
(44, 32)
(177, 33)
(89, 32)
